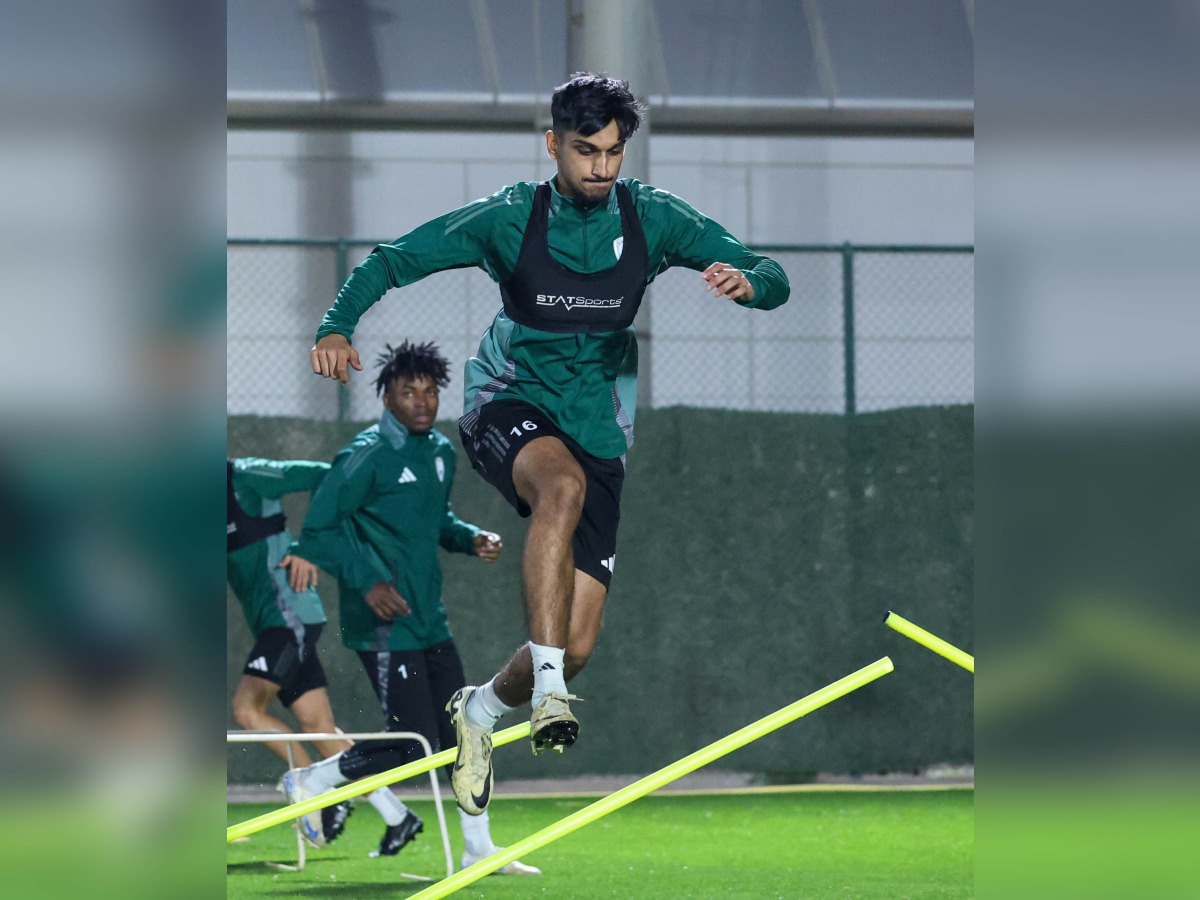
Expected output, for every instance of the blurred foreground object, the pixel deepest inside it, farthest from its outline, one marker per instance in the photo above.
(111, 153)
(1088, 216)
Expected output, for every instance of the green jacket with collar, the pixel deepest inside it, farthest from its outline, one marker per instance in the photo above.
(381, 515)
(585, 382)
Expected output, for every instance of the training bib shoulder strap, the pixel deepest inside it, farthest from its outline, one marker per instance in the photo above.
(544, 294)
(243, 529)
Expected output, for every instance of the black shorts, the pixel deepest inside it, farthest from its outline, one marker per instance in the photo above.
(279, 658)
(414, 686)
(502, 428)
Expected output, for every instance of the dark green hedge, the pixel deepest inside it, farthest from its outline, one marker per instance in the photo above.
(758, 555)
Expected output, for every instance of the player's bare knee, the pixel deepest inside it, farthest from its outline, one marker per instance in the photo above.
(573, 663)
(316, 724)
(245, 713)
(562, 496)
(585, 630)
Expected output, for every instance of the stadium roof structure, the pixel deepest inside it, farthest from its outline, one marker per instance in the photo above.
(747, 67)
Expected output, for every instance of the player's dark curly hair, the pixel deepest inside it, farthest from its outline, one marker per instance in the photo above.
(588, 102)
(411, 361)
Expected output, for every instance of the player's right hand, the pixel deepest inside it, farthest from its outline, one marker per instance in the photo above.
(301, 573)
(333, 356)
(386, 602)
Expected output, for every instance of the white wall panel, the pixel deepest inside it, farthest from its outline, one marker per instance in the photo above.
(392, 197)
(801, 190)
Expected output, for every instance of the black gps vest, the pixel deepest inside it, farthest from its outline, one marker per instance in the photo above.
(544, 294)
(243, 529)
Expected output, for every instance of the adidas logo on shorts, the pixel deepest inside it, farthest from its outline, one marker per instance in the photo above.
(259, 664)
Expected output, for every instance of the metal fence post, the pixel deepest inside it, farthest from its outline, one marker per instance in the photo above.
(848, 325)
(340, 268)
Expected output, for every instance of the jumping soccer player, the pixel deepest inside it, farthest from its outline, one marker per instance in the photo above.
(549, 402)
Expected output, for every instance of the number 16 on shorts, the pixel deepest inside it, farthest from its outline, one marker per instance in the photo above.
(526, 426)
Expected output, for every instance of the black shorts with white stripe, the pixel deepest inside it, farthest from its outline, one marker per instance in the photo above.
(496, 433)
(279, 657)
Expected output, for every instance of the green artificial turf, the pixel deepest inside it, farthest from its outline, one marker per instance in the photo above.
(846, 844)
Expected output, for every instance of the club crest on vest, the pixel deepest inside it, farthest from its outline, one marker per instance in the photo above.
(544, 294)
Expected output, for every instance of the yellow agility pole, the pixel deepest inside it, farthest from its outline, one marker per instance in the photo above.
(676, 770)
(932, 641)
(362, 786)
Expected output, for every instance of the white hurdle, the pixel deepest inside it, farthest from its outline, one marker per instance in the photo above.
(242, 736)
(266, 736)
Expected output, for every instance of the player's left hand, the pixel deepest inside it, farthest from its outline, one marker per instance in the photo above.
(488, 546)
(726, 281)
(301, 573)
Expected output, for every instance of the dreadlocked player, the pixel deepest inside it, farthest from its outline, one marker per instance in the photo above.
(376, 524)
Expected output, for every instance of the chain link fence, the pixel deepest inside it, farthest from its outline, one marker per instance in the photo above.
(867, 328)
(914, 329)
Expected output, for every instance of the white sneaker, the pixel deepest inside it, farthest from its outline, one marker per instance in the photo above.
(472, 776)
(516, 867)
(291, 785)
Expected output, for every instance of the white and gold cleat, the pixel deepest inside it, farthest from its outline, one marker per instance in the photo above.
(472, 775)
(552, 727)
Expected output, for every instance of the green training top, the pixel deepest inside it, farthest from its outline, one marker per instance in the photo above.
(253, 572)
(380, 516)
(585, 382)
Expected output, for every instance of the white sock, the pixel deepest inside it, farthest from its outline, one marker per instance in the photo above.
(477, 837)
(324, 775)
(547, 671)
(484, 709)
(388, 804)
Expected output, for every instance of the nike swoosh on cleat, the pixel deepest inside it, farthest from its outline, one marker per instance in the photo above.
(481, 801)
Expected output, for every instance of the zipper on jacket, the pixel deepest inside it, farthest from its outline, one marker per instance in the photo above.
(587, 249)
